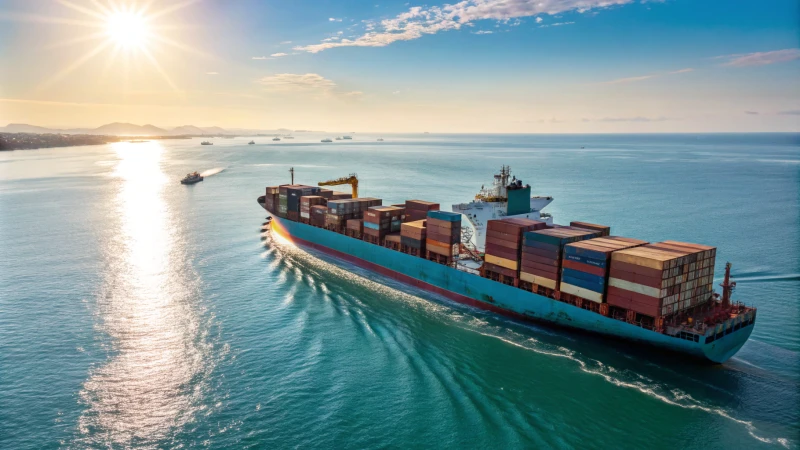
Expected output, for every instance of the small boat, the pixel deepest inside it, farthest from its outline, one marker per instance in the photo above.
(288, 137)
(206, 143)
(192, 178)
(251, 142)
(347, 137)
(338, 138)
(276, 138)
(326, 140)
(380, 139)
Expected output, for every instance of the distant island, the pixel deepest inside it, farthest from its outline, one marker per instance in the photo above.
(130, 129)
(32, 141)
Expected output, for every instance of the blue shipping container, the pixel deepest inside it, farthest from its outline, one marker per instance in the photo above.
(594, 254)
(585, 260)
(583, 284)
(445, 215)
(373, 226)
(572, 273)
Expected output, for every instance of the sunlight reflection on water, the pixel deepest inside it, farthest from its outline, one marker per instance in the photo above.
(153, 380)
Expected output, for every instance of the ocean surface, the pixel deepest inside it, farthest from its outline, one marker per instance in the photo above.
(138, 312)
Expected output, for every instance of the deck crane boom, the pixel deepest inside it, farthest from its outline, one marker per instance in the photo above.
(351, 179)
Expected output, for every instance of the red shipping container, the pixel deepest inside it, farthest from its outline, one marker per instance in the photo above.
(502, 252)
(541, 267)
(541, 260)
(585, 268)
(500, 269)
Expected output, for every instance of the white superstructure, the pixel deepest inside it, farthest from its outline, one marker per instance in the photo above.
(492, 203)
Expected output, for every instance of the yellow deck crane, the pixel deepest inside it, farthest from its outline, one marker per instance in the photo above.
(351, 179)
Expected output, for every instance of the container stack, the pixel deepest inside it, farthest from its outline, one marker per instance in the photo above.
(293, 194)
(271, 200)
(326, 193)
(339, 212)
(443, 236)
(604, 230)
(306, 202)
(541, 255)
(585, 267)
(355, 228)
(503, 248)
(392, 241)
(283, 197)
(412, 237)
(418, 209)
(661, 279)
(380, 221)
(318, 213)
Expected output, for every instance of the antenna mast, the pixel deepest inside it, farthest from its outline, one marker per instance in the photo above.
(291, 171)
(727, 286)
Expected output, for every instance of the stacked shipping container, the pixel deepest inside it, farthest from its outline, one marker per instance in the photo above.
(443, 235)
(306, 202)
(603, 229)
(661, 279)
(542, 250)
(418, 209)
(504, 245)
(412, 237)
(355, 228)
(586, 264)
(380, 221)
(318, 213)
(271, 200)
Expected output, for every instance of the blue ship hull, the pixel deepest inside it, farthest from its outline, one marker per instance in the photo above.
(717, 346)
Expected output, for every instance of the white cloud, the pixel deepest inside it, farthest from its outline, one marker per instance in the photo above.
(278, 55)
(419, 21)
(212, 73)
(333, 19)
(539, 20)
(762, 58)
(260, 57)
(646, 77)
(292, 82)
(483, 32)
(286, 42)
(308, 83)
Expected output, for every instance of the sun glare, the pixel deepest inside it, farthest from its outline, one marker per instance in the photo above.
(127, 29)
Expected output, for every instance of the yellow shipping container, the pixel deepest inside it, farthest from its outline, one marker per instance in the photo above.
(535, 279)
(502, 262)
(596, 297)
(634, 287)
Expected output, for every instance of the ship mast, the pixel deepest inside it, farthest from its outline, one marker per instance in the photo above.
(727, 286)
(291, 171)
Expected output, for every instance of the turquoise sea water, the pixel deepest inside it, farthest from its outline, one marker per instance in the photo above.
(137, 312)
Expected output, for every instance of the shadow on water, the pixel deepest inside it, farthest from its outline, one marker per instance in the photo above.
(658, 374)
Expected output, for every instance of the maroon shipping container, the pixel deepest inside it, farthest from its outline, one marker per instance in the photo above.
(542, 260)
(586, 268)
(421, 205)
(603, 229)
(539, 266)
(502, 252)
(533, 251)
(501, 242)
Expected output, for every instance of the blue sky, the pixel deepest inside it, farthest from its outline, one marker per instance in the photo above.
(475, 65)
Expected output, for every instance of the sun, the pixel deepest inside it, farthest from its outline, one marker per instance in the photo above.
(127, 29)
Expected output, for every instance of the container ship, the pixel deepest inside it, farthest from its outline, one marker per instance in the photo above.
(578, 276)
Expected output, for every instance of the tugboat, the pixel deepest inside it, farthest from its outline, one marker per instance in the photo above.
(192, 178)
(276, 138)
(347, 137)
(206, 143)
(251, 142)
(326, 140)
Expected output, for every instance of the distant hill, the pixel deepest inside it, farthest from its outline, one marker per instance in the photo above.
(25, 128)
(129, 129)
(215, 130)
(189, 130)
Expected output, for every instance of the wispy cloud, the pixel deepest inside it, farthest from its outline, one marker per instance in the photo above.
(212, 73)
(333, 19)
(309, 83)
(646, 77)
(483, 32)
(793, 112)
(557, 24)
(278, 55)
(286, 42)
(762, 58)
(420, 21)
(633, 119)
(260, 57)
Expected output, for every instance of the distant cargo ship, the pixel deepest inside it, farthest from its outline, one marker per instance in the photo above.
(577, 276)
